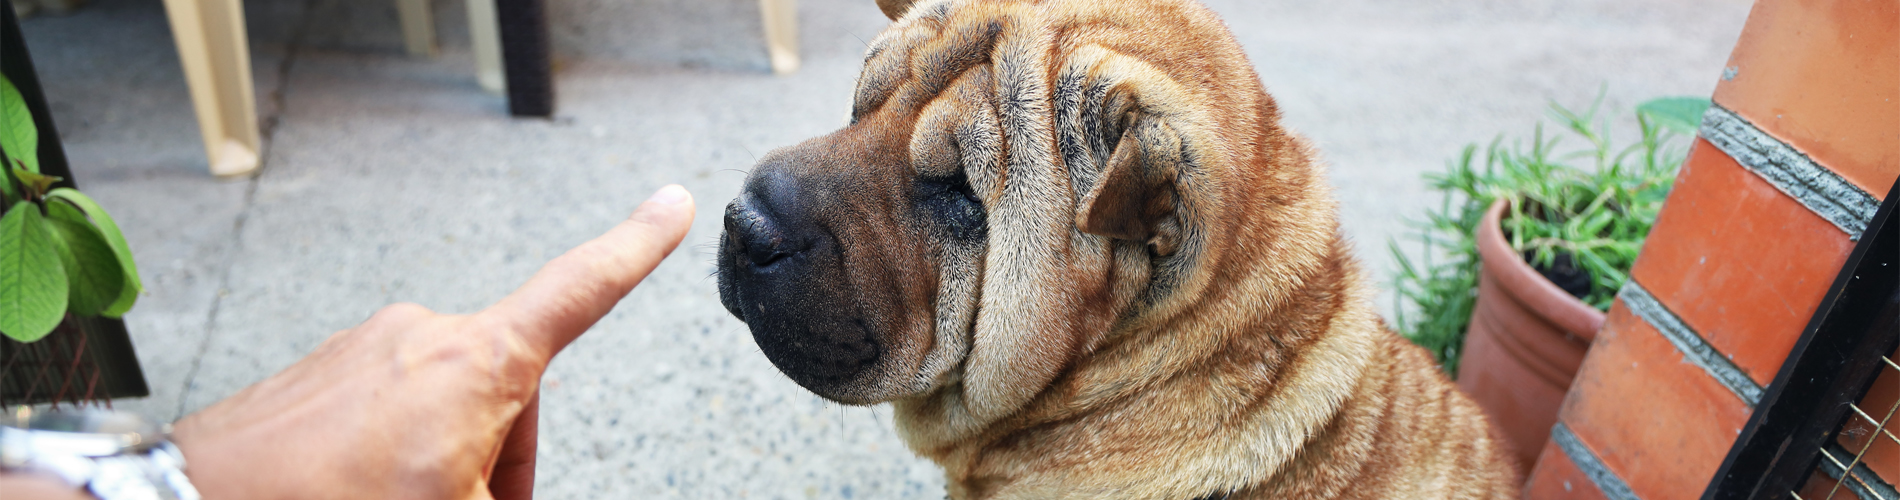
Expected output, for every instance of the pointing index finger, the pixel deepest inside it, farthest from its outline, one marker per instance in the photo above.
(575, 290)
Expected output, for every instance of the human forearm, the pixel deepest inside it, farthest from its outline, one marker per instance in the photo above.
(38, 487)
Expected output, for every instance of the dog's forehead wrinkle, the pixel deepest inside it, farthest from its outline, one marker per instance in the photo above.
(884, 69)
(1084, 142)
(936, 57)
(956, 130)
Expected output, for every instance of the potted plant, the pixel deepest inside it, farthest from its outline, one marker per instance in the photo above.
(63, 265)
(1526, 253)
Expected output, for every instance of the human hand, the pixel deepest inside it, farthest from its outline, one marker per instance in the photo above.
(414, 404)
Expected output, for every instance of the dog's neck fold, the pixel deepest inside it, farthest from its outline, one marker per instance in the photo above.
(1258, 347)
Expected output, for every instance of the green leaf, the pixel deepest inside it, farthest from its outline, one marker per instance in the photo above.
(91, 269)
(8, 194)
(18, 136)
(1594, 225)
(1681, 114)
(35, 184)
(67, 264)
(110, 230)
(32, 283)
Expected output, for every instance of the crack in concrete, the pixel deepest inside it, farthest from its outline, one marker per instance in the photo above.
(269, 132)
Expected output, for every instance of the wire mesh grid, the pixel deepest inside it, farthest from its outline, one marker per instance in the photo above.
(57, 368)
(1879, 426)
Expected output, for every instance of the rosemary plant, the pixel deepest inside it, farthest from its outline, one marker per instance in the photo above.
(1578, 216)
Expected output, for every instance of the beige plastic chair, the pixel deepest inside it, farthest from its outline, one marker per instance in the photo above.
(214, 50)
(780, 16)
(781, 33)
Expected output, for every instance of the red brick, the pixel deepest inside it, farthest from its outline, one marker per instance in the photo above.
(1739, 261)
(1557, 477)
(1819, 487)
(1825, 77)
(1655, 419)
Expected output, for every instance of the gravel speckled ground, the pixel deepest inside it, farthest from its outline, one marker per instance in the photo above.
(391, 179)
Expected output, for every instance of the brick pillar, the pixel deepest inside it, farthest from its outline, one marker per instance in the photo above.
(1789, 166)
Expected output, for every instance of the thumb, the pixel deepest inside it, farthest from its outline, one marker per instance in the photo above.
(574, 290)
(512, 477)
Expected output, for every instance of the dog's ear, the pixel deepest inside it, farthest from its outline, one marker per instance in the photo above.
(1150, 128)
(1134, 196)
(894, 8)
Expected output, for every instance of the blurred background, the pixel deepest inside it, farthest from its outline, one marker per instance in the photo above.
(388, 178)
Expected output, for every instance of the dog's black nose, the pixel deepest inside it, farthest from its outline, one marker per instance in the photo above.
(755, 236)
(761, 224)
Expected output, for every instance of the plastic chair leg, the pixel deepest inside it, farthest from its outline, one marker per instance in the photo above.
(216, 56)
(781, 33)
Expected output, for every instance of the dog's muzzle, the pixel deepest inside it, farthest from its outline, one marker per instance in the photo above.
(781, 272)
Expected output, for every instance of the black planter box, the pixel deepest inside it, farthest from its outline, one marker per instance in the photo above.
(84, 359)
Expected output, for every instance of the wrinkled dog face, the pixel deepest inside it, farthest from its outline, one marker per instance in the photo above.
(855, 262)
(1001, 197)
(856, 258)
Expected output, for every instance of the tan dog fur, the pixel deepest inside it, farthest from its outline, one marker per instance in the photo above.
(1164, 306)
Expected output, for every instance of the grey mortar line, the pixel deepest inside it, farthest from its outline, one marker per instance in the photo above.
(1823, 191)
(1600, 474)
(1867, 485)
(1688, 343)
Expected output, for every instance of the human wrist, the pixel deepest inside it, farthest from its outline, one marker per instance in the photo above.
(201, 451)
(111, 455)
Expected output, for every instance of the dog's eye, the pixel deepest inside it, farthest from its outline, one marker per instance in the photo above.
(951, 202)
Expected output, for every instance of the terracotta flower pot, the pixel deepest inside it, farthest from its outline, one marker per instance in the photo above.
(1526, 339)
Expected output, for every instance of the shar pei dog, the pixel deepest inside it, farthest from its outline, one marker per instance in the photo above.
(1073, 246)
